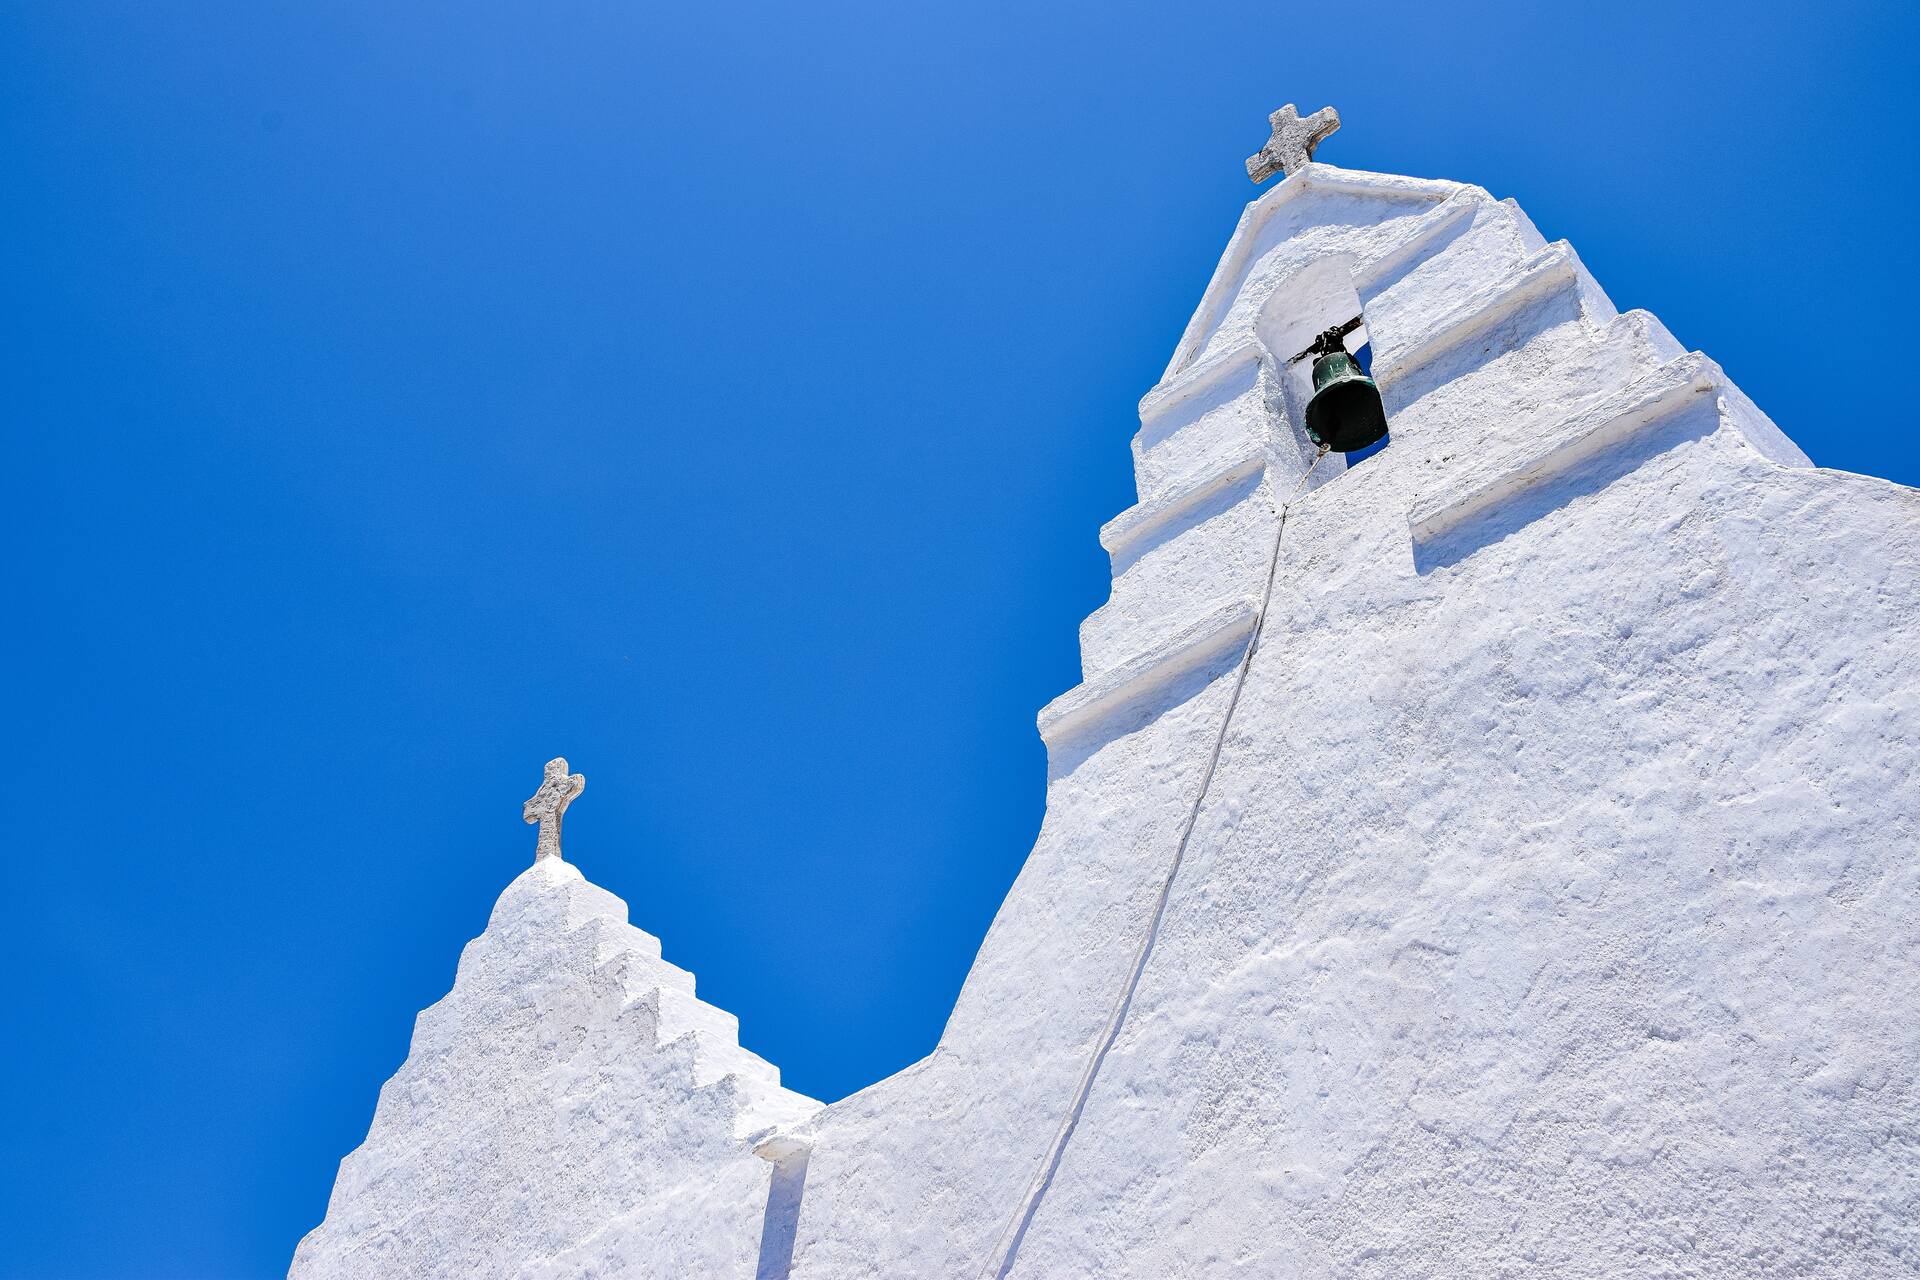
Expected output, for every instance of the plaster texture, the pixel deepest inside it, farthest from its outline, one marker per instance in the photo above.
(1553, 909)
(569, 1109)
(1550, 905)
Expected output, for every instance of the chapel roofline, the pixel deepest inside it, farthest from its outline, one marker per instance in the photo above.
(1314, 177)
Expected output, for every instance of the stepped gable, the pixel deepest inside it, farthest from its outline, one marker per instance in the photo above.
(1540, 853)
(1493, 858)
(1566, 811)
(1451, 284)
(569, 1102)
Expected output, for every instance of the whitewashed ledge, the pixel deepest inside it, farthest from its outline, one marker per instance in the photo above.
(1226, 629)
(1493, 477)
(1427, 228)
(1128, 528)
(1553, 269)
(1201, 378)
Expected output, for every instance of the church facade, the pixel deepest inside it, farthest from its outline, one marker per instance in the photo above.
(1491, 855)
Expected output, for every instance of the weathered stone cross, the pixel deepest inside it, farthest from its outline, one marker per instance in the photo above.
(1292, 143)
(556, 792)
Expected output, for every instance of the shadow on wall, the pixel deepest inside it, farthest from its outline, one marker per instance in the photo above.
(783, 1212)
(1148, 704)
(1587, 477)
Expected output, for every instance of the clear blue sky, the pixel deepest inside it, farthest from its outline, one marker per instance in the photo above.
(726, 397)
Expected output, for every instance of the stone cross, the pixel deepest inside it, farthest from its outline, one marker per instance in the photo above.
(556, 792)
(1292, 143)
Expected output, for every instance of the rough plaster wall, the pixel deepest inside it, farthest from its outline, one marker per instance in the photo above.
(1198, 436)
(1216, 553)
(919, 1175)
(1554, 908)
(569, 1109)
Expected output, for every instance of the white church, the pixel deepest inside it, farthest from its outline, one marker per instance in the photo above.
(1610, 969)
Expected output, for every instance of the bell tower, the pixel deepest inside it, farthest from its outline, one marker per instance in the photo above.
(1415, 840)
(1497, 859)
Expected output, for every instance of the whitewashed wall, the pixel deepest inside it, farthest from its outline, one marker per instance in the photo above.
(570, 1109)
(1553, 907)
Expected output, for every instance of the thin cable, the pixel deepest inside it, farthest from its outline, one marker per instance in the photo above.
(1029, 1206)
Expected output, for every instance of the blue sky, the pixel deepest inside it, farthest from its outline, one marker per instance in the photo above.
(726, 397)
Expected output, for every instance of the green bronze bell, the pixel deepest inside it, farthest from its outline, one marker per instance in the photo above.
(1345, 413)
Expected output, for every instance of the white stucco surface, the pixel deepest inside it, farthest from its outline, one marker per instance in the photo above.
(569, 1109)
(1551, 905)
(1554, 908)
